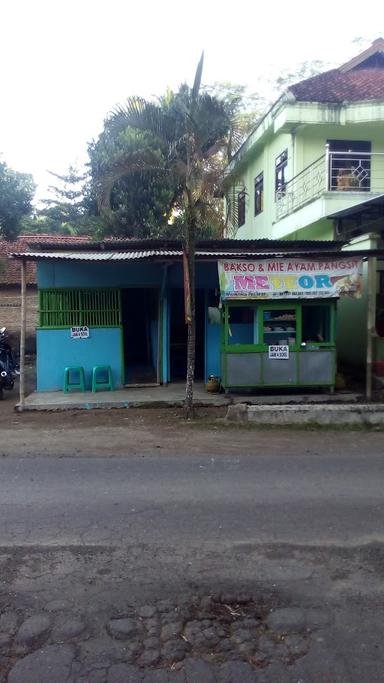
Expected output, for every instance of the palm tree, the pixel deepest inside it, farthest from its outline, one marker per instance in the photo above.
(194, 130)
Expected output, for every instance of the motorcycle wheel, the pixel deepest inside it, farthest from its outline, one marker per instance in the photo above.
(1, 394)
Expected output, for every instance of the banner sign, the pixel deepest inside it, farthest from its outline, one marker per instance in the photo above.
(79, 332)
(278, 351)
(291, 278)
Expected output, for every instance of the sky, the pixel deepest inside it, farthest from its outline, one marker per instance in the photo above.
(65, 64)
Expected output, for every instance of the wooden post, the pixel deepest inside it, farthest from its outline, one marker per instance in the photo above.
(371, 323)
(22, 334)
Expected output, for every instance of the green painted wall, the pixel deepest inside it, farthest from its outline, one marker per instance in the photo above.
(256, 227)
(351, 334)
(322, 230)
(303, 129)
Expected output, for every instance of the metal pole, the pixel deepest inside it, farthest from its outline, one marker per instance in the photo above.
(327, 174)
(371, 323)
(22, 334)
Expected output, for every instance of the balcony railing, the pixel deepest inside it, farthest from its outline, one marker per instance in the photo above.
(332, 172)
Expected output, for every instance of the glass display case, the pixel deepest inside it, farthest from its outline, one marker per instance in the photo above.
(267, 344)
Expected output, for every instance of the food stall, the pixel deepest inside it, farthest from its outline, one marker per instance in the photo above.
(279, 320)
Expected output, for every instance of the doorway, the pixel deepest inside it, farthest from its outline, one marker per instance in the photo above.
(179, 335)
(140, 319)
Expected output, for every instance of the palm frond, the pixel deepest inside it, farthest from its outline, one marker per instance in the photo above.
(145, 161)
(143, 115)
(197, 83)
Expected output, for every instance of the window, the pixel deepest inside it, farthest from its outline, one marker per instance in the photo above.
(259, 193)
(241, 209)
(242, 325)
(316, 324)
(279, 326)
(280, 173)
(349, 165)
(72, 307)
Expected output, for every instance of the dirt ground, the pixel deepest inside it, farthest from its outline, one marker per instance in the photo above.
(125, 432)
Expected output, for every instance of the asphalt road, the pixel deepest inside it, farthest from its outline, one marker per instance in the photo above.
(302, 530)
(255, 499)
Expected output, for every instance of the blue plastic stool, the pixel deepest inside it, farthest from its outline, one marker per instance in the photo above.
(78, 384)
(102, 377)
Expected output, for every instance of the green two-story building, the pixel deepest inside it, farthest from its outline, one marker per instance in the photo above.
(313, 168)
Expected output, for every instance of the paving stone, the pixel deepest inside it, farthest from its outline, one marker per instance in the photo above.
(237, 672)
(317, 618)
(206, 623)
(157, 676)
(35, 628)
(94, 675)
(9, 622)
(69, 628)
(122, 628)
(210, 634)
(206, 602)
(251, 622)
(297, 645)
(191, 629)
(102, 652)
(176, 677)
(165, 605)
(266, 645)
(198, 671)
(57, 606)
(152, 643)
(242, 635)
(279, 673)
(171, 630)
(152, 624)
(225, 645)
(246, 648)
(324, 661)
(174, 651)
(287, 619)
(51, 664)
(124, 673)
(149, 657)
(134, 648)
(5, 639)
(147, 611)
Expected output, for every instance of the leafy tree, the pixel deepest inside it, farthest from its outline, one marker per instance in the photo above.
(16, 194)
(193, 130)
(68, 211)
(138, 206)
(247, 108)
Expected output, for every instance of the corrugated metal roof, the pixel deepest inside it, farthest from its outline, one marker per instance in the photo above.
(173, 254)
(98, 255)
(149, 244)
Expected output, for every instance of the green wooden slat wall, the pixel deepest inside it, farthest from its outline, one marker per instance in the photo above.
(72, 307)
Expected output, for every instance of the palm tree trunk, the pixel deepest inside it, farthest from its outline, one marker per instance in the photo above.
(189, 262)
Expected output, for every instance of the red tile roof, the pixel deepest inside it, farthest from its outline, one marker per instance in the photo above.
(336, 86)
(10, 269)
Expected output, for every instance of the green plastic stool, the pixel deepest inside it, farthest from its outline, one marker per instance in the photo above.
(99, 373)
(78, 385)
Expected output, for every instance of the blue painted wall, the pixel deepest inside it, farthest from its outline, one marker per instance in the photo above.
(120, 274)
(99, 274)
(56, 350)
(212, 350)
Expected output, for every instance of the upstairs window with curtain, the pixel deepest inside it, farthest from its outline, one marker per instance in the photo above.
(259, 193)
(281, 164)
(241, 209)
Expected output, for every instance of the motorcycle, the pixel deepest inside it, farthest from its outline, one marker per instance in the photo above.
(9, 368)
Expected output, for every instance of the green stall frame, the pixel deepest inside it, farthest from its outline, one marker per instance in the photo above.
(302, 331)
